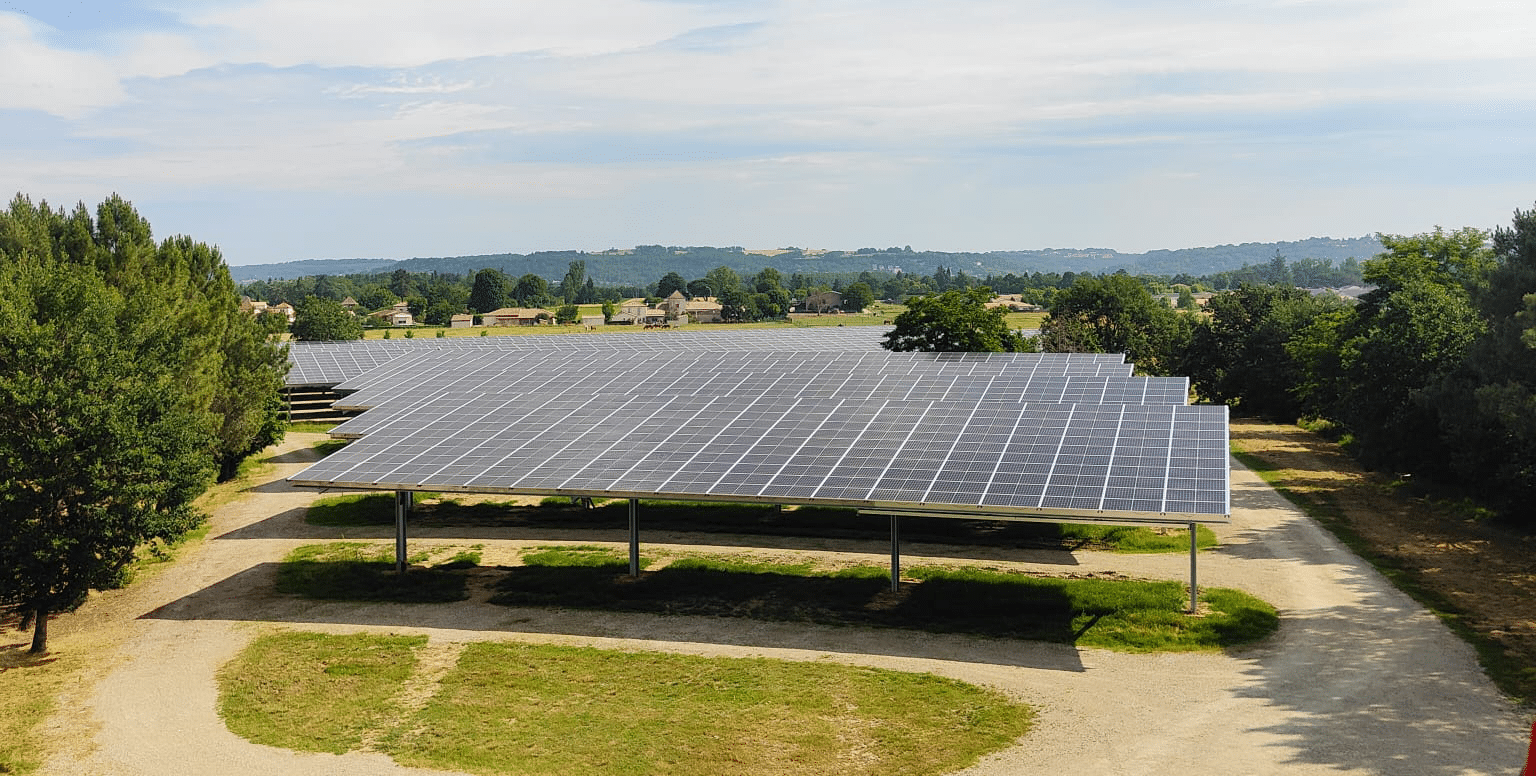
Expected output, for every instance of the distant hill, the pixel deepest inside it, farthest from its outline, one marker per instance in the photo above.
(293, 269)
(646, 263)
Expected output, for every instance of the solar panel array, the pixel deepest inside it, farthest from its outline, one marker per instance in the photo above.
(999, 435)
(878, 373)
(325, 364)
(980, 457)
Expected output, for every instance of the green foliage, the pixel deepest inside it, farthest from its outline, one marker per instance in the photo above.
(567, 314)
(319, 319)
(1239, 355)
(857, 296)
(574, 281)
(128, 375)
(723, 279)
(669, 283)
(1117, 314)
(953, 321)
(531, 291)
(491, 291)
(1460, 258)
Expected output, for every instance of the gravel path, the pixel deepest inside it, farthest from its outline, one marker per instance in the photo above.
(1359, 680)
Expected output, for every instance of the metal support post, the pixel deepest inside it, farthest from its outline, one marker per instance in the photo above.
(895, 554)
(402, 510)
(1194, 595)
(634, 539)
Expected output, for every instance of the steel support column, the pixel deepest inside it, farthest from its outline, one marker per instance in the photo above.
(634, 539)
(402, 510)
(895, 554)
(1194, 594)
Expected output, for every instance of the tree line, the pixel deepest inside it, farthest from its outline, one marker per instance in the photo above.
(129, 381)
(1431, 374)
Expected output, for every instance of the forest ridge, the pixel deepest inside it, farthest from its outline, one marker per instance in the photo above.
(644, 263)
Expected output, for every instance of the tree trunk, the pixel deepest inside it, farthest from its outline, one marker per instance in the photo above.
(40, 631)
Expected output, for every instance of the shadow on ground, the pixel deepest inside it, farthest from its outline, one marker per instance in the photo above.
(247, 597)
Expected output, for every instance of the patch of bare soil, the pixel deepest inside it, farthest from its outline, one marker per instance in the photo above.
(1481, 575)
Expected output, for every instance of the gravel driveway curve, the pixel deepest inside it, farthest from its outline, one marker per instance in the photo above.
(1359, 680)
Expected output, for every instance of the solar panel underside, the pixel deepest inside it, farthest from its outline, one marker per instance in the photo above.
(1120, 462)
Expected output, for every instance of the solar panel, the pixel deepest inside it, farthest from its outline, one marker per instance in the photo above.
(781, 376)
(329, 363)
(419, 375)
(1001, 459)
(815, 416)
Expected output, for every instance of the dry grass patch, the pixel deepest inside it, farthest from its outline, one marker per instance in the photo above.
(1479, 578)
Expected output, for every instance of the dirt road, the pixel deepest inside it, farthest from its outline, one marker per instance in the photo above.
(1359, 680)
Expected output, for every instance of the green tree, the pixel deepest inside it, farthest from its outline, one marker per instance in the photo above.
(531, 291)
(1463, 258)
(439, 313)
(1487, 407)
(698, 289)
(723, 279)
(575, 276)
(1186, 300)
(273, 321)
(1239, 355)
(402, 283)
(738, 305)
(105, 442)
(671, 282)
(954, 321)
(490, 291)
(318, 319)
(857, 297)
(1117, 314)
(567, 314)
(1379, 371)
(376, 297)
(767, 280)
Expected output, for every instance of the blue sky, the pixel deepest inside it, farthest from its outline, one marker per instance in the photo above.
(290, 129)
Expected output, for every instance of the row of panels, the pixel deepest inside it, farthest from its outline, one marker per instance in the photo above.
(984, 458)
(324, 364)
(418, 377)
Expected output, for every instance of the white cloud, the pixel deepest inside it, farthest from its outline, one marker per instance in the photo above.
(406, 33)
(911, 114)
(401, 83)
(35, 76)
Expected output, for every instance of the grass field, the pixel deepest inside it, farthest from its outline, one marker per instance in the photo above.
(1120, 614)
(1110, 613)
(540, 709)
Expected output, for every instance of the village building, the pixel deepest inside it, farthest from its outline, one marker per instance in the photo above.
(397, 315)
(515, 316)
(822, 302)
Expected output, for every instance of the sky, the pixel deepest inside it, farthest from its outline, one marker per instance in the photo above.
(295, 129)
